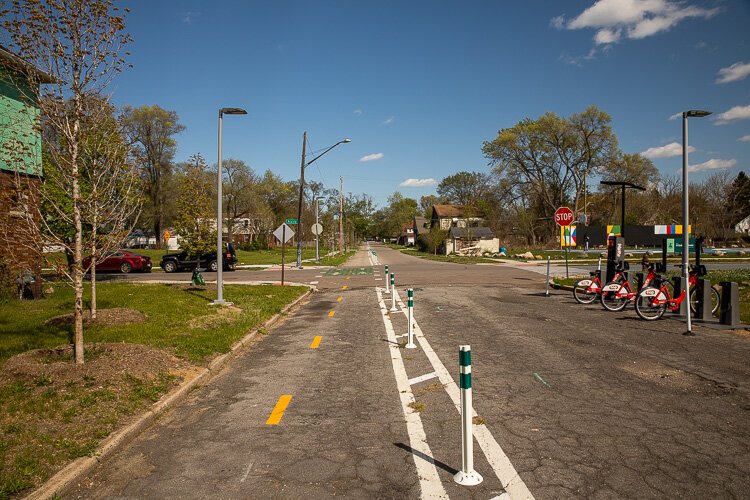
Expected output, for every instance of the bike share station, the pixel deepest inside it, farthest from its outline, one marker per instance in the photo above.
(728, 311)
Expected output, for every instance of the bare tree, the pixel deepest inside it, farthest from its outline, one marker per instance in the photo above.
(80, 44)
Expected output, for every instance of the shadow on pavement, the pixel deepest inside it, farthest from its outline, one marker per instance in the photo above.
(428, 458)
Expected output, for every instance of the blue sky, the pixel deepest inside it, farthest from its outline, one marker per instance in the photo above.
(419, 85)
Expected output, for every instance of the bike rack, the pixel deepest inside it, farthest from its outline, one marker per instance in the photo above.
(679, 285)
(703, 297)
(729, 310)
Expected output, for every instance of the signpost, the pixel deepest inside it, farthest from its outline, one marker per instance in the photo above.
(564, 217)
(283, 233)
(317, 230)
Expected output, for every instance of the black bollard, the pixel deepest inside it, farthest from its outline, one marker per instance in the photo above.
(703, 295)
(679, 285)
(729, 310)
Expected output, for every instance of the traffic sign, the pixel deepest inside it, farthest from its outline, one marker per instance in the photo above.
(283, 233)
(292, 221)
(166, 235)
(317, 229)
(564, 216)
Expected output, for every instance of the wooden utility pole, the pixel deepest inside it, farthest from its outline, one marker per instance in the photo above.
(341, 215)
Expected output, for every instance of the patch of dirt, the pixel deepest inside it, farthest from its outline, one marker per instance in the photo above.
(106, 317)
(102, 361)
(224, 314)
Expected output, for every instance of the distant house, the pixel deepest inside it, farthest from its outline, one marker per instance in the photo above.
(476, 240)
(20, 167)
(421, 226)
(407, 237)
(466, 230)
(448, 216)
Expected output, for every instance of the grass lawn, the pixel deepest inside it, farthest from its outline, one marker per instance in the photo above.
(456, 259)
(740, 276)
(52, 411)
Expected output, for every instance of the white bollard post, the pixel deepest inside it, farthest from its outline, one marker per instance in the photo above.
(409, 314)
(467, 476)
(546, 292)
(387, 288)
(393, 293)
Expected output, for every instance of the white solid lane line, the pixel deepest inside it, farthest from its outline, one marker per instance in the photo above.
(501, 465)
(429, 481)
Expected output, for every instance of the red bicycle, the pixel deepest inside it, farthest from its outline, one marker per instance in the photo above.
(652, 301)
(615, 295)
(586, 290)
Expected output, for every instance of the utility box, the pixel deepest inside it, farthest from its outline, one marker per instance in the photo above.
(615, 255)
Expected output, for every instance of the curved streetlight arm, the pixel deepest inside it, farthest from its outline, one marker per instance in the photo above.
(327, 150)
(302, 190)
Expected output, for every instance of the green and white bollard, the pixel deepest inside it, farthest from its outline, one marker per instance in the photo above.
(409, 315)
(467, 476)
(387, 289)
(393, 293)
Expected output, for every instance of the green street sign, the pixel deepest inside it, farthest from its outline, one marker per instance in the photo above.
(292, 221)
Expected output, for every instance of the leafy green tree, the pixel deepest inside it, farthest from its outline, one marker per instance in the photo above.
(195, 221)
(150, 131)
(427, 202)
(464, 188)
(543, 161)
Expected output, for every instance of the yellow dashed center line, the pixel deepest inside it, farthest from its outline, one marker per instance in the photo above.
(278, 410)
(348, 277)
(343, 287)
(330, 314)
(316, 342)
(339, 299)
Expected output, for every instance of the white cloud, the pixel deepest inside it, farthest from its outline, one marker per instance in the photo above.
(733, 73)
(418, 183)
(606, 36)
(358, 112)
(667, 151)
(635, 19)
(372, 157)
(734, 114)
(713, 164)
(744, 138)
(389, 120)
(676, 116)
(557, 22)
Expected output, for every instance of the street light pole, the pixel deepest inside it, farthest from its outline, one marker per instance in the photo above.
(219, 226)
(693, 113)
(302, 190)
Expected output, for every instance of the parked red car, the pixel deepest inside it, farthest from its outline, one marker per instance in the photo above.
(122, 261)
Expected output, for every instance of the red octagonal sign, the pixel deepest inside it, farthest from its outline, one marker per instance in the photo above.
(563, 216)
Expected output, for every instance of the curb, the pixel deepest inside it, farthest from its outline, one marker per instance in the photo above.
(73, 471)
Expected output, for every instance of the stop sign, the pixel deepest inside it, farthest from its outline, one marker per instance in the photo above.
(563, 216)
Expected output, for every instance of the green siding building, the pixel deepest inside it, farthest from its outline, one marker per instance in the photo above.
(20, 171)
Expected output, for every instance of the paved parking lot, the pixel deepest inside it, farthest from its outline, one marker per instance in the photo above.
(580, 402)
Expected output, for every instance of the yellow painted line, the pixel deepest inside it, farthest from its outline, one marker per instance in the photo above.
(278, 410)
(316, 342)
(343, 287)
(348, 277)
(342, 298)
(330, 314)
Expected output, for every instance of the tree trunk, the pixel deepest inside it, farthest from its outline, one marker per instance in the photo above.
(93, 272)
(78, 249)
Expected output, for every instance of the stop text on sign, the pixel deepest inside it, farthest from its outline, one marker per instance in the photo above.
(563, 216)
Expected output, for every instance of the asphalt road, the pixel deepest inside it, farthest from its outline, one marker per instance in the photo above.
(572, 401)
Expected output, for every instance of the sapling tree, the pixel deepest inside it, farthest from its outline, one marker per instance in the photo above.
(80, 45)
